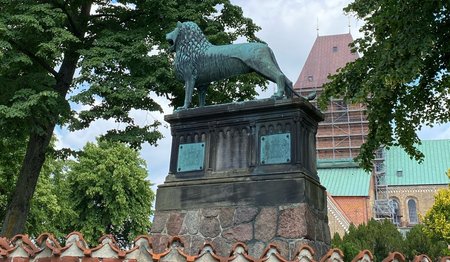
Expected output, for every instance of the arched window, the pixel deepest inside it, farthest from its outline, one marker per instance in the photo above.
(412, 211)
(395, 205)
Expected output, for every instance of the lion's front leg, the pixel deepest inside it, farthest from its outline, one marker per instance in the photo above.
(202, 94)
(189, 90)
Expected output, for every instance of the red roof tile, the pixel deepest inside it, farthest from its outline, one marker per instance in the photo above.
(394, 257)
(334, 254)
(328, 54)
(364, 255)
(46, 248)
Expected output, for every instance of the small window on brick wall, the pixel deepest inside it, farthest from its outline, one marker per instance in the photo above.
(412, 211)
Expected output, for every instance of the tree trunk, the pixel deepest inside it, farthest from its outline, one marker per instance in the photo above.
(18, 208)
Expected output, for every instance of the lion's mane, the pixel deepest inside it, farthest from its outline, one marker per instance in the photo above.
(191, 45)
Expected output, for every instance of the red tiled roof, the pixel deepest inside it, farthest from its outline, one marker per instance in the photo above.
(328, 54)
(47, 249)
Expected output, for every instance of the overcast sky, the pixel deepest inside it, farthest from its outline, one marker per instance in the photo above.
(289, 27)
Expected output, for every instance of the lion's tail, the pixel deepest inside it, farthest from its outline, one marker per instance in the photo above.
(290, 90)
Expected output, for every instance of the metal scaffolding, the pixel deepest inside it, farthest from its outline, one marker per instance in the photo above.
(343, 131)
(383, 207)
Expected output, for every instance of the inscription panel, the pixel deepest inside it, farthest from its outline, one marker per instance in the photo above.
(191, 157)
(275, 149)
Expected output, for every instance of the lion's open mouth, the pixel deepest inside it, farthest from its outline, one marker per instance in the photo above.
(171, 45)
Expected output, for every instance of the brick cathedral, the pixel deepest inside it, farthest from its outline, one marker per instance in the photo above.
(398, 188)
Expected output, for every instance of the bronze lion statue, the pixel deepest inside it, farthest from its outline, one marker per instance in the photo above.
(198, 62)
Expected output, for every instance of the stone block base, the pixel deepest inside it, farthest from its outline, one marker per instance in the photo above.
(243, 172)
(288, 227)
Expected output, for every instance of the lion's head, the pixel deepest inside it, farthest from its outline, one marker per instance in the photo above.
(187, 36)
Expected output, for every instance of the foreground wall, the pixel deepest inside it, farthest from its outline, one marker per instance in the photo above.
(45, 249)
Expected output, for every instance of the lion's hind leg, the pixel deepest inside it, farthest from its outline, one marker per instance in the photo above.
(275, 76)
(271, 72)
(281, 84)
(269, 68)
(288, 87)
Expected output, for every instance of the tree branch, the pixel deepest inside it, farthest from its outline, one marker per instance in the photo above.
(136, 13)
(102, 15)
(69, 64)
(72, 23)
(33, 57)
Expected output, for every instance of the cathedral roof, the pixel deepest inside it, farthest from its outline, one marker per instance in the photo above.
(351, 181)
(401, 170)
(328, 54)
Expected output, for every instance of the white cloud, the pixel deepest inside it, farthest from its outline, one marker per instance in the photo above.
(157, 157)
(436, 132)
(77, 139)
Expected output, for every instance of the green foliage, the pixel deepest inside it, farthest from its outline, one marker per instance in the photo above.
(437, 219)
(380, 238)
(111, 48)
(349, 248)
(417, 242)
(118, 48)
(50, 207)
(109, 193)
(403, 75)
(13, 152)
(29, 40)
(104, 191)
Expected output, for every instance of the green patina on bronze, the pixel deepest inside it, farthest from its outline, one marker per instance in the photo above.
(191, 157)
(198, 62)
(275, 149)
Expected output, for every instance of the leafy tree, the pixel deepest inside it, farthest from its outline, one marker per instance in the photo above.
(12, 153)
(417, 242)
(379, 237)
(437, 219)
(403, 76)
(110, 176)
(50, 209)
(43, 43)
(349, 248)
(47, 209)
(109, 193)
(383, 237)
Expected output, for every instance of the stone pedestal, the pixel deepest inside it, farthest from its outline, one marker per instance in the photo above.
(243, 172)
